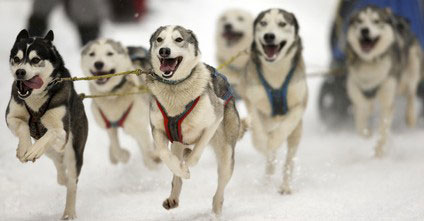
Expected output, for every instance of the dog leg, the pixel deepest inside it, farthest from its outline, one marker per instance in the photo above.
(193, 158)
(362, 109)
(17, 121)
(142, 136)
(54, 137)
(71, 185)
(60, 166)
(178, 167)
(173, 199)
(292, 145)
(225, 159)
(116, 153)
(411, 118)
(411, 79)
(386, 97)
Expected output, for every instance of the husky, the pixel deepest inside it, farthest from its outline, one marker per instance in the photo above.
(274, 88)
(49, 111)
(234, 34)
(383, 58)
(192, 106)
(131, 112)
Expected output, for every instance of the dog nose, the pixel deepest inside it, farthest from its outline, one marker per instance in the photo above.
(269, 38)
(365, 32)
(99, 65)
(228, 27)
(20, 73)
(164, 52)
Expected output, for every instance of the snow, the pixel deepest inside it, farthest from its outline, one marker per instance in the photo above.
(336, 177)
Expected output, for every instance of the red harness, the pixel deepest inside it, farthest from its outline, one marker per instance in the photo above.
(173, 124)
(118, 123)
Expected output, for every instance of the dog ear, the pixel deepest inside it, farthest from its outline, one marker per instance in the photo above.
(193, 40)
(50, 36)
(295, 23)
(23, 34)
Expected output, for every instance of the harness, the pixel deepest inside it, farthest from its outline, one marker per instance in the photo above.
(173, 124)
(277, 97)
(118, 123)
(36, 128)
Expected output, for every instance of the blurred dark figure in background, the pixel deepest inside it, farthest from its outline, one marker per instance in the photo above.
(85, 14)
(334, 104)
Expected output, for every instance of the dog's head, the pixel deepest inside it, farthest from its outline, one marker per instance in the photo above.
(234, 26)
(105, 56)
(32, 63)
(174, 52)
(371, 32)
(275, 32)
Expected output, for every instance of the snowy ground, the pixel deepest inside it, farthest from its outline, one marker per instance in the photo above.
(336, 176)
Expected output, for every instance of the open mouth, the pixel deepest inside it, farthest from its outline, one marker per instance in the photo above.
(100, 73)
(25, 87)
(367, 43)
(169, 65)
(232, 37)
(272, 50)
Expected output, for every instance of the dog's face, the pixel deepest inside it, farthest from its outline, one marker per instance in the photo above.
(174, 52)
(275, 31)
(234, 26)
(370, 32)
(105, 56)
(32, 63)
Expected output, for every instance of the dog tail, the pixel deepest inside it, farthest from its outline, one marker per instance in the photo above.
(244, 126)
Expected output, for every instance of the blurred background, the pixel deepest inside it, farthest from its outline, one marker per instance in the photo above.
(336, 175)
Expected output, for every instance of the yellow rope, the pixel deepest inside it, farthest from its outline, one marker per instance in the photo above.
(136, 72)
(232, 59)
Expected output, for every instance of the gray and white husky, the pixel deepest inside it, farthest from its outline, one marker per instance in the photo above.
(130, 112)
(192, 107)
(274, 88)
(50, 112)
(383, 58)
(234, 33)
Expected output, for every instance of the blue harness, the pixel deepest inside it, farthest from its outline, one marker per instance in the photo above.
(277, 97)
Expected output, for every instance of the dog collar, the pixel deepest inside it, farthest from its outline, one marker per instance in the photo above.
(277, 97)
(172, 82)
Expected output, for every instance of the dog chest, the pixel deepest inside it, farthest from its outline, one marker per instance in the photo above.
(371, 74)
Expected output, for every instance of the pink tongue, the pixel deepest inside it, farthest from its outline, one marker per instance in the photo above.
(168, 65)
(271, 51)
(34, 83)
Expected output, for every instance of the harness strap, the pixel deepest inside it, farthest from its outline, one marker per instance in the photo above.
(229, 93)
(277, 97)
(118, 123)
(173, 124)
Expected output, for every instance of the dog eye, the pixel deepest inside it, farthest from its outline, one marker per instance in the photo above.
(179, 39)
(16, 59)
(91, 54)
(240, 18)
(376, 22)
(263, 23)
(109, 54)
(282, 24)
(35, 60)
(159, 39)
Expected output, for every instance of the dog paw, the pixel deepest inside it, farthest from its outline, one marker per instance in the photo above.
(124, 155)
(151, 160)
(69, 215)
(20, 153)
(285, 190)
(170, 203)
(365, 133)
(34, 153)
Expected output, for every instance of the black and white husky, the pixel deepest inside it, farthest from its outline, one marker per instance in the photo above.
(51, 113)
(130, 112)
(274, 88)
(192, 107)
(383, 59)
